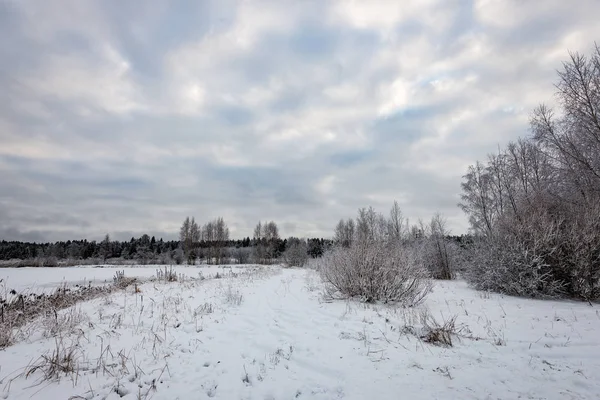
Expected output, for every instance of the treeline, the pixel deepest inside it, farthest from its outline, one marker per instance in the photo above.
(142, 247)
(148, 250)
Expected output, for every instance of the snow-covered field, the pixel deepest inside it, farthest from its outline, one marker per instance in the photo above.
(267, 334)
(37, 280)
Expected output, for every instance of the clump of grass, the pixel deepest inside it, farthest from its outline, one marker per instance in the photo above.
(206, 308)
(121, 281)
(166, 274)
(233, 296)
(55, 324)
(63, 360)
(439, 334)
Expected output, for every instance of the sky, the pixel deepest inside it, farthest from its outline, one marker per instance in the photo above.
(124, 117)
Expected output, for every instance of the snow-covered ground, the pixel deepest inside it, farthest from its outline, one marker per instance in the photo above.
(268, 334)
(37, 280)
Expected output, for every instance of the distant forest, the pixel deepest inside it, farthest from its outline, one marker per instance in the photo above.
(142, 250)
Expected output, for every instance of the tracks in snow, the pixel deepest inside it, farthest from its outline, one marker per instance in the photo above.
(280, 343)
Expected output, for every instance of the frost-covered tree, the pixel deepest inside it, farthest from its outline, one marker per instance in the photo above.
(344, 232)
(215, 234)
(266, 242)
(397, 224)
(221, 239)
(438, 253)
(195, 233)
(185, 235)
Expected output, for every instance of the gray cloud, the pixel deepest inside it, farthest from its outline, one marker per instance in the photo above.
(124, 119)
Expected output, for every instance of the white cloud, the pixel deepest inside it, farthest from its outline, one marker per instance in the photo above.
(326, 184)
(384, 16)
(103, 82)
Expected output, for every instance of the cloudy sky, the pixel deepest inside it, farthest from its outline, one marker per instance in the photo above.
(123, 117)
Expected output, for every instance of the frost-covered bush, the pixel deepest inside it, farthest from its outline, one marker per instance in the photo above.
(241, 254)
(177, 256)
(580, 253)
(549, 252)
(375, 271)
(440, 255)
(509, 266)
(296, 252)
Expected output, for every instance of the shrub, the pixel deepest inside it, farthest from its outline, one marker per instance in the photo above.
(177, 256)
(541, 256)
(375, 271)
(192, 256)
(242, 254)
(441, 257)
(439, 254)
(296, 253)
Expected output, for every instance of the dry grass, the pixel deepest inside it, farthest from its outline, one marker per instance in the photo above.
(16, 310)
(63, 360)
(121, 281)
(166, 275)
(439, 334)
(233, 296)
(428, 329)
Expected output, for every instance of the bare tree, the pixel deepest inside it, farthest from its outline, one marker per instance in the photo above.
(439, 258)
(344, 232)
(266, 237)
(260, 247)
(271, 231)
(397, 224)
(370, 225)
(221, 238)
(215, 234)
(477, 199)
(185, 236)
(258, 231)
(195, 233)
(189, 236)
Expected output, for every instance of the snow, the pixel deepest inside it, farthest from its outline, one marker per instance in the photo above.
(47, 279)
(268, 334)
